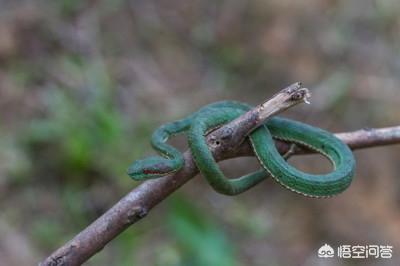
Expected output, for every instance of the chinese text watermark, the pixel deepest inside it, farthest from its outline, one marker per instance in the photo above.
(356, 251)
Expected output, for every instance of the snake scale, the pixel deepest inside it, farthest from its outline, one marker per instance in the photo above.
(198, 124)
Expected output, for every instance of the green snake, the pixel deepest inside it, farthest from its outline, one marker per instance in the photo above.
(198, 124)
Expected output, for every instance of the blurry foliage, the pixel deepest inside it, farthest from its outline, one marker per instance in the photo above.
(46, 233)
(126, 244)
(333, 100)
(200, 240)
(80, 137)
(254, 223)
(81, 134)
(15, 163)
(68, 7)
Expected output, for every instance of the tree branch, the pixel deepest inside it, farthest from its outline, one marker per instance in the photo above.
(136, 204)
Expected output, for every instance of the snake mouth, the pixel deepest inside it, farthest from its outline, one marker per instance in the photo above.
(144, 174)
(151, 172)
(150, 168)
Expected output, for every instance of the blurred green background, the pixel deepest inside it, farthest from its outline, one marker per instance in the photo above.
(84, 83)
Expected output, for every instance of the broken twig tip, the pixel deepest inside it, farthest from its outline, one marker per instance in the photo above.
(307, 96)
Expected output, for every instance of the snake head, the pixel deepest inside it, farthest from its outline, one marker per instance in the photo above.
(151, 167)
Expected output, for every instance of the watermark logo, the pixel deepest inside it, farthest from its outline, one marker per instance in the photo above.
(356, 251)
(326, 251)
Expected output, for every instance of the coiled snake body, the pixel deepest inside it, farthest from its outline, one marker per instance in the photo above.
(198, 124)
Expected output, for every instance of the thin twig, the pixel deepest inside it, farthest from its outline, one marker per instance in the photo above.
(137, 203)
